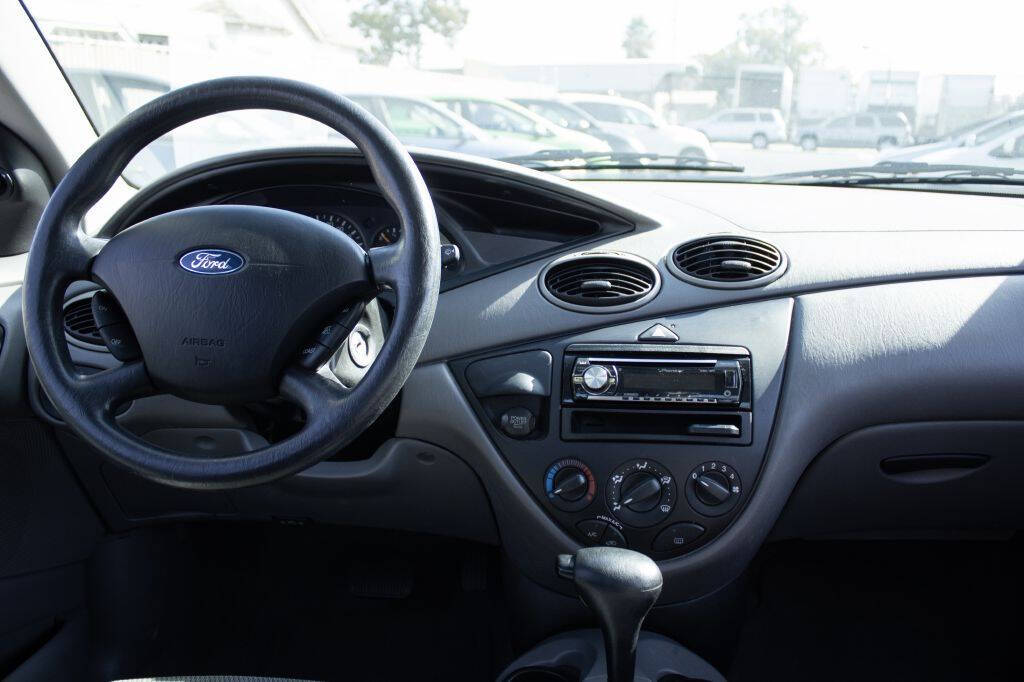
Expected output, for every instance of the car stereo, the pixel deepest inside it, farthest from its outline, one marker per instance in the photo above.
(689, 380)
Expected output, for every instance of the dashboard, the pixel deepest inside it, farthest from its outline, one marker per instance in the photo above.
(585, 383)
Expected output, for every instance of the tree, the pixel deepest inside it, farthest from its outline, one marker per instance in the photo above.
(772, 36)
(639, 39)
(396, 28)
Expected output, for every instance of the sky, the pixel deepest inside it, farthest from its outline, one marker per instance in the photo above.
(982, 36)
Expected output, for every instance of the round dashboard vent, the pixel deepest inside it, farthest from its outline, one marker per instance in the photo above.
(79, 323)
(599, 281)
(727, 262)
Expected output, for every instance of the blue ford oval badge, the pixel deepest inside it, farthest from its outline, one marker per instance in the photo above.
(211, 261)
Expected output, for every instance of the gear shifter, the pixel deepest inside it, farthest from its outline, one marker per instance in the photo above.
(620, 586)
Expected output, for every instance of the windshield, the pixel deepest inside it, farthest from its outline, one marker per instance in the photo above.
(772, 88)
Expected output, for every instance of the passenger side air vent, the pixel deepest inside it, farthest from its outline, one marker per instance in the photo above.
(599, 281)
(727, 262)
(79, 323)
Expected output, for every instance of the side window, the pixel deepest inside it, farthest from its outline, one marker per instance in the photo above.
(550, 113)
(745, 117)
(602, 111)
(996, 129)
(637, 116)
(891, 121)
(1011, 149)
(415, 119)
(865, 121)
(727, 118)
(454, 106)
(844, 122)
(490, 116)
(766, 118)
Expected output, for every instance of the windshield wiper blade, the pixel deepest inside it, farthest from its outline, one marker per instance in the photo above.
(569, 159)
(894, 172)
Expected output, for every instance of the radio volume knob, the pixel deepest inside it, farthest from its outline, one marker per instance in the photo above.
(597, 379)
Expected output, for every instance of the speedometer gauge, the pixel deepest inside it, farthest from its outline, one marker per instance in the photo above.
(343, 224)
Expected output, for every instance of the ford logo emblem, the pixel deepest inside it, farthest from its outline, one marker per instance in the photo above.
(211, 261)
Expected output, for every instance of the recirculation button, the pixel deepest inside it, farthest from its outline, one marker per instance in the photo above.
(677, 536)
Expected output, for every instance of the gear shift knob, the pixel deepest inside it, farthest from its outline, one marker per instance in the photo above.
(620, 586)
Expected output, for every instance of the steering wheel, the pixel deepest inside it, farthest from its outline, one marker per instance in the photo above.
(222, 298)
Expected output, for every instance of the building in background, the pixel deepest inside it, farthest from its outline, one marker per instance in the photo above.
(822, 94)
(949, 102)
(641, 79)
(889, 91)
(764, 86)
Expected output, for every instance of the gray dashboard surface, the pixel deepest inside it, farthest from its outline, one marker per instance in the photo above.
(509, 308)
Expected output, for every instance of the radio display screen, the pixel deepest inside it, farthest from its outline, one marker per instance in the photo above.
(660, 379)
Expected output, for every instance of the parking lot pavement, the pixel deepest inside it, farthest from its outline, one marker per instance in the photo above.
(786, 158)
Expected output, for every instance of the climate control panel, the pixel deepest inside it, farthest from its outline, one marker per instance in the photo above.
(641, 504)
(652, 445)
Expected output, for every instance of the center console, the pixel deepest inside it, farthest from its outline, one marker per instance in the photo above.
(647, 435)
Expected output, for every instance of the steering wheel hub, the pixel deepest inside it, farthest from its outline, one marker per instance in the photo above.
(220, 323)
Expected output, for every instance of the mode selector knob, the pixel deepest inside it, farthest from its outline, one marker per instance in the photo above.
(641, 492)
(597, 379)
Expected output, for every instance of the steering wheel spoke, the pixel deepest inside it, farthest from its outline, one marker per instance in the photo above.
(386, 265)
(102, 392)
(314, 393)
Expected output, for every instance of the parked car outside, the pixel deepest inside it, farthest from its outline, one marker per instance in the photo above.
(634, 119)
(881, 131)
(570, 116)
(1005, 150)
(758, 126)
(978, 133)
(421, 123)
(107, 96)
(507, 120)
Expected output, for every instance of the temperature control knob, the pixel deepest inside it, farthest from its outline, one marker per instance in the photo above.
(569, 484)
(597, 379)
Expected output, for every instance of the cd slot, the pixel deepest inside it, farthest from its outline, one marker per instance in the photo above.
(656, 425)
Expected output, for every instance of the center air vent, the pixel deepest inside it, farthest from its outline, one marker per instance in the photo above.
(79, 323)
(727, 262)
(599, 281)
